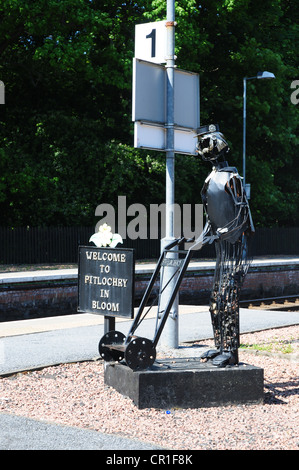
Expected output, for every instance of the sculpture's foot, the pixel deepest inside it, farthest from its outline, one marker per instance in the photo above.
(225, 359)
(210, 354)
(221, 359)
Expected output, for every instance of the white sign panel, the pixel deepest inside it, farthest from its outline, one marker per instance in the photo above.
(186, 99)
(150, 95)
(149, 136)
(150, 42)
(185, 141)
(149, 92)
(154, 137)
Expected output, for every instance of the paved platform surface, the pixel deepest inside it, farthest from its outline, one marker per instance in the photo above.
(18, 433)
(29, 344)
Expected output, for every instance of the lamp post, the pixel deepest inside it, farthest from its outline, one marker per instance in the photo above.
(260, 75)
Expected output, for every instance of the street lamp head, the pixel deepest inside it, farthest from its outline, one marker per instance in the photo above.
(265, 75)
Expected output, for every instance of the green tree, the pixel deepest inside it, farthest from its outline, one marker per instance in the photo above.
(65, 65)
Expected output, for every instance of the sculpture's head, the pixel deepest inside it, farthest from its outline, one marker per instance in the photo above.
(211, 143)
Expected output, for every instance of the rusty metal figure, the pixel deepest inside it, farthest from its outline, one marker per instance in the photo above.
(229, 224)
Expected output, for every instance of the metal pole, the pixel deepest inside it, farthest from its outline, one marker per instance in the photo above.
(170, 334)
(244, 132)
(109, 324)
(170, 64)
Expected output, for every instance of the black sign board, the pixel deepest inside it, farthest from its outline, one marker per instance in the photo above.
(106, 281)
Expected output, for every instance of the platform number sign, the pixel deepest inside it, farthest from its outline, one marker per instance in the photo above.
(150, 42)
(152, 36)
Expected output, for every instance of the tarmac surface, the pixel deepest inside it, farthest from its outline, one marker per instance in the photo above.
(36, 343)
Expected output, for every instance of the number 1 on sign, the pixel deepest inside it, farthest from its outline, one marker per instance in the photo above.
(150, 42)
(152, 36)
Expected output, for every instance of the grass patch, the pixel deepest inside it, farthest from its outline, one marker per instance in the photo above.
(284, 347)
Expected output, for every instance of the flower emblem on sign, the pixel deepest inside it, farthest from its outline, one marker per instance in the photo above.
(105, 237)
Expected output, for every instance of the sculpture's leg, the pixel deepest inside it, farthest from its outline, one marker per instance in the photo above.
(215, 299)
(230, 270)
(215, 304)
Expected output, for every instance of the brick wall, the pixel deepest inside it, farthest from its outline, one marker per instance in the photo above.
(38, 301)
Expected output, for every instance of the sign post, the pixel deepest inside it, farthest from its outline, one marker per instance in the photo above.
(170, 336)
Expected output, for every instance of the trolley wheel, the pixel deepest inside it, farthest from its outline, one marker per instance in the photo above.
(112, 338)
(140, 354)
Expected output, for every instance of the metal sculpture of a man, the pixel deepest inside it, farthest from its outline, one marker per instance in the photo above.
(229, 224)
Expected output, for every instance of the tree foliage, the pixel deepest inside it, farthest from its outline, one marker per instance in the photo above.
(66, 131)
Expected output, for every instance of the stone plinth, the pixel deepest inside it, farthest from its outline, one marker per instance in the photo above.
(187, 383)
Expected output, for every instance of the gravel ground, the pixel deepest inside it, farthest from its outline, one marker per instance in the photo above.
(75, 394)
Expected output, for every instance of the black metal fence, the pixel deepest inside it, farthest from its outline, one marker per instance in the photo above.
(39, 245)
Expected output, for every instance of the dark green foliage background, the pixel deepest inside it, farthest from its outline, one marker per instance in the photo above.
(66, 136)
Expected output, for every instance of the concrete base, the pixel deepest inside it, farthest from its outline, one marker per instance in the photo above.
(187, 383)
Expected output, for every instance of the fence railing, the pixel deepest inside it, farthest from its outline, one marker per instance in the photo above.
(38, 245)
